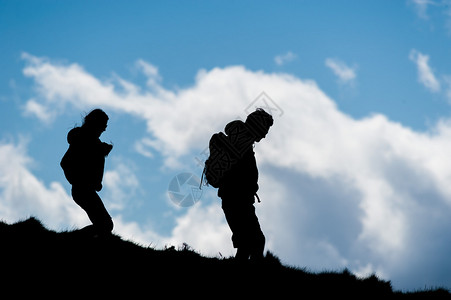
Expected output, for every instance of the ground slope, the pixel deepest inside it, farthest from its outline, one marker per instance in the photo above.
(40, 262)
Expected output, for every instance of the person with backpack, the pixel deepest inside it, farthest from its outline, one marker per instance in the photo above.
(83, 165)
(232, 168)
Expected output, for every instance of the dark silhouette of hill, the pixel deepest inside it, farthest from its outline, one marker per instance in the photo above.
(36, 261)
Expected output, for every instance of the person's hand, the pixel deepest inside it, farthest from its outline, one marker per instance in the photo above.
(107, 148)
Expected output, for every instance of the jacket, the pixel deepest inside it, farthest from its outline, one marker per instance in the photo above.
(84, 161)
(241, 181)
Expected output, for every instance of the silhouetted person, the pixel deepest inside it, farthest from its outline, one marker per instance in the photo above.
(83, 166)
(238, 186)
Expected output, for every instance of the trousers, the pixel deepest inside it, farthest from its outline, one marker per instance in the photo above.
(89, 200)
(247, 235)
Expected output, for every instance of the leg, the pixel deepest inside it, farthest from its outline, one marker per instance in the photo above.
(256, 238)
(247, 235)
(242, 253)
(234, 219)
(258, 246)
(93, 205)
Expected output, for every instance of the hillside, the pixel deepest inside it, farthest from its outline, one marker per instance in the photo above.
(38, 261)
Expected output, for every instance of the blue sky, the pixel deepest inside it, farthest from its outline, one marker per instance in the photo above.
(353, 174)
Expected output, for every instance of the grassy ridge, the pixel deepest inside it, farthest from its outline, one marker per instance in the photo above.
(45, 262)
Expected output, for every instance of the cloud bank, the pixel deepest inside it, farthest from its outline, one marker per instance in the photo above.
(368, 194)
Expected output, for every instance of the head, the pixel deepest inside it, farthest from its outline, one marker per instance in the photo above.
(258, 123)
(96, 121)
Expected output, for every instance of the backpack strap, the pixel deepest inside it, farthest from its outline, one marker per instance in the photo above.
(201, 179)
(258, 198)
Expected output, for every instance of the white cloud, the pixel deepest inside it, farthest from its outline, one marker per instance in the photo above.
(284, 58)
(137, 233)
(151, 71)
(425, 74)
(144, 146)
(32, 107)
(120, 183)
(368, 194)
(344, 73)
(203, 227)
(421, 7)
(23, 195)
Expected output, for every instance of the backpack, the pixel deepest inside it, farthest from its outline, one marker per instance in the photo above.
(67, 164)
(222, 157)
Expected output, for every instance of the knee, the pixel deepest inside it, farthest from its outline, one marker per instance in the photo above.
(105, 227)
(109, 225)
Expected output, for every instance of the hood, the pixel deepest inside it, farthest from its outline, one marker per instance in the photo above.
(74, 135)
